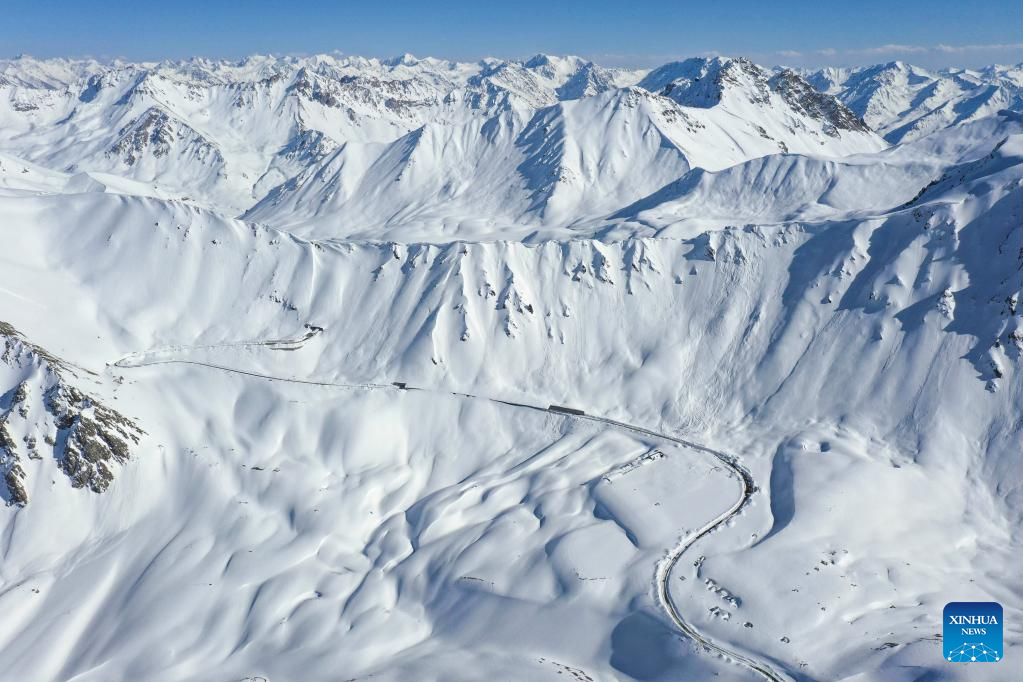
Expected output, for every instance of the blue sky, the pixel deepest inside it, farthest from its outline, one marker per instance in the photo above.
(624, 32)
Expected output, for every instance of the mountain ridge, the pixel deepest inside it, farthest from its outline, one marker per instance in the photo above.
(240, 112)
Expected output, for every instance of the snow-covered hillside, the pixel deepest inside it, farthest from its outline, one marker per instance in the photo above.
(279, 339)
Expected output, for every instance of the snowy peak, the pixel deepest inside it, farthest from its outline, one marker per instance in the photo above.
(157, 134)
(555, 68)
(578, 155)
(740, 86)
(308, 146)
(405, 59)
(905, 102)
(588, 81)
(702, 82)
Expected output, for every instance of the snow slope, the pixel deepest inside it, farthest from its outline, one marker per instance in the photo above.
(842, 319)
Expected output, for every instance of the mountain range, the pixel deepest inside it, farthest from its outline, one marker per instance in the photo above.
(334, 367)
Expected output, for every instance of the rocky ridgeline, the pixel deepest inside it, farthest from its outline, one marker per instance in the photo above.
(158, 132)
(703, 83)
(805, 99)
(86, 437)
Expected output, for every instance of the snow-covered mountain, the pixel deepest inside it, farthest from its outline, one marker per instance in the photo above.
(279, 341)
(904, 102)
(294, 138)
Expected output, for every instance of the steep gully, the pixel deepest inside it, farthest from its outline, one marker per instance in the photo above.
(664, 568)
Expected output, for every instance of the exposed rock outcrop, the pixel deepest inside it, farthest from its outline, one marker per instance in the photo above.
(87, 437)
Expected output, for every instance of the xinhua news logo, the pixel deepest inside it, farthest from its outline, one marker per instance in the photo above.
(972, 632)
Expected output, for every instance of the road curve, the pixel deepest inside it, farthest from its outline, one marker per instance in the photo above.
(665, 567)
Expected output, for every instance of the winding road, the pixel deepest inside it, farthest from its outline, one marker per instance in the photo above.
(664, 568)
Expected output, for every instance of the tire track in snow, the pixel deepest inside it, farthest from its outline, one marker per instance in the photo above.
(664, 567)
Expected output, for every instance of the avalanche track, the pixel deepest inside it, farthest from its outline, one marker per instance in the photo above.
(664, 568)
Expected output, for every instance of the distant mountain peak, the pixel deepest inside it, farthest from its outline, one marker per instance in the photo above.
(404, 59)
(702, 81)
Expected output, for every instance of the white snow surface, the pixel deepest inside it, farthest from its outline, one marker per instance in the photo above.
(241, 257)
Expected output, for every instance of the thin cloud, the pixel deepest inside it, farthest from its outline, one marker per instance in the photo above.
(997, 47)
(941, 55)
(929, 56)
(940, 48)
(890, 48)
